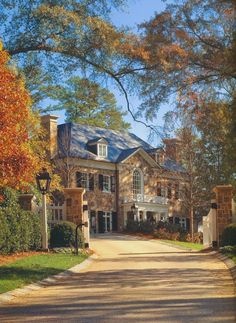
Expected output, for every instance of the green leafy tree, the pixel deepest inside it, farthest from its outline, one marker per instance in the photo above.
(86, 102)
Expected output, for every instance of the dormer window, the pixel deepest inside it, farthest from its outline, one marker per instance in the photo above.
(102, 150)
(98, 146)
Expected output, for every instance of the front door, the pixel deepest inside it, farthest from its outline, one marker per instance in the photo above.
(104, 222)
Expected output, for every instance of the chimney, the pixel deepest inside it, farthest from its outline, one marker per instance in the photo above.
(172, 148)
(49, 123)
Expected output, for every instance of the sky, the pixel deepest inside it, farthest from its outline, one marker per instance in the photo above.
(136, 12)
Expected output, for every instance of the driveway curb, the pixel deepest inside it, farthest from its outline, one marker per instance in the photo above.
(8, 296)
(230, 264)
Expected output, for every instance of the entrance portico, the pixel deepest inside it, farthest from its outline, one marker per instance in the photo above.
(145, 209)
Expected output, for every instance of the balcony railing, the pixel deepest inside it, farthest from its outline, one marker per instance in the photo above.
(146, 199)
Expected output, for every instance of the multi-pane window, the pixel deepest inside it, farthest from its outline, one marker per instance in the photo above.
(169, 191)
(106, 183)
(102, 150)
(176, 191)
(85, 180)
(137, 182)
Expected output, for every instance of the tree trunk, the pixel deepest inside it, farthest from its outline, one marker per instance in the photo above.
(191, 224)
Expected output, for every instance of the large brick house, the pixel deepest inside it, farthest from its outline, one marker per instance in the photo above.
(123, 176)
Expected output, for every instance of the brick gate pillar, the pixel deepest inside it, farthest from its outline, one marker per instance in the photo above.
(224, 195)
(74, 201)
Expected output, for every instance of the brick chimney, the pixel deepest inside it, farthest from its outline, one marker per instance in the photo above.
(172, 148)
(49, 123)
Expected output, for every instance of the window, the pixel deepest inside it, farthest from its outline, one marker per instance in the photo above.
(102, 150)
(85, 180)
(176, 191)
(163, 191)
(137, 182)
(106, 183)
(158, 189)
(169, 191)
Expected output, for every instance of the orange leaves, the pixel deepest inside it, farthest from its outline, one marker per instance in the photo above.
(18, 163)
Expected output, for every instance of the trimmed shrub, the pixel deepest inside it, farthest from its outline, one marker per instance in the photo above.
(229, 235)
(132, 226)
(20, 230)
(63, 235)
(146, 227)
(228, 249)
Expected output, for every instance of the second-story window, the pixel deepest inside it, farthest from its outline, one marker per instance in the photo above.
(158, 189)
(85, 180)
(169, 191)
(176, 191)
(102, 150)
(137, 182)
(106, 183)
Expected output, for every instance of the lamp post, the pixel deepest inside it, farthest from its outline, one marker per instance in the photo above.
(43, 181)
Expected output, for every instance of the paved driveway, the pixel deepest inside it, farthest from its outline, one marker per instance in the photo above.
(134, 280)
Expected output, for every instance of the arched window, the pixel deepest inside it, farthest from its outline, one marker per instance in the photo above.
(137, 182)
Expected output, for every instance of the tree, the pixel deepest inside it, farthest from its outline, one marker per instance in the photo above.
(19, 159)
(190, 51)
(86, 102)
(64, 37)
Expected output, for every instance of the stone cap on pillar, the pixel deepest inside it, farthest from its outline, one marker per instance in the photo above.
(220, 188)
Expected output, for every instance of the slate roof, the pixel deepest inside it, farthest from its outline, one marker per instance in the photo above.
(171, 165)
(73, 140)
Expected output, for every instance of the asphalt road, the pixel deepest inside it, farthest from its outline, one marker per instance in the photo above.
(134, 280)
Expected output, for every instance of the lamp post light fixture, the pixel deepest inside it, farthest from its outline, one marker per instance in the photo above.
(43, 181)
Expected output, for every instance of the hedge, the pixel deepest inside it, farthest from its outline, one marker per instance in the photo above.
(20, 230)
(229, 235)
(63, 235)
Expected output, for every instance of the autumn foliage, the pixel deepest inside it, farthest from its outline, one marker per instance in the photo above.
(18, 162)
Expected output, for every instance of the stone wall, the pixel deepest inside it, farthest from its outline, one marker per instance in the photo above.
(224, 195)
(97, 200)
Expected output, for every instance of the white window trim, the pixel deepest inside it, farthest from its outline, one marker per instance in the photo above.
(109, 184)
(102, 150)
(141, 182)
(87, 181)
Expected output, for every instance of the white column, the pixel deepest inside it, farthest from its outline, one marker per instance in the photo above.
(85, 228)
(145, 215)
(44, 223)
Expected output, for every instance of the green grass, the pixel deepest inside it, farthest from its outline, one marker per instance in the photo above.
(232, 256)
(190, 245)
(31, 269)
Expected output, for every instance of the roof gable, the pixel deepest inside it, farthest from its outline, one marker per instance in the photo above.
(139, 150)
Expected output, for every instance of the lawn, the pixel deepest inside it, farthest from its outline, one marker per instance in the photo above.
(231, 256)
(34, 268)
(190, 245)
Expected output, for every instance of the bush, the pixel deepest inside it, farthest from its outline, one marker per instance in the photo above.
(63, 235)
(228, 249)
(146, 227)
(132, 226)
(20, 230)
(229, 235)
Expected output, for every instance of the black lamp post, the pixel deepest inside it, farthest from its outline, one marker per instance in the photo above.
(43, 181)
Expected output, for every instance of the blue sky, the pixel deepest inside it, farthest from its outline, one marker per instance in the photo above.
(136, 12)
